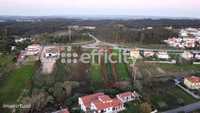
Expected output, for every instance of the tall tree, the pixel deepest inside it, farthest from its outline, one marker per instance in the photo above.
(145, 108)
(6, 41)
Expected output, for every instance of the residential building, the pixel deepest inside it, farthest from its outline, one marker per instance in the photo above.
(187, 55)
(127, 96)
(148, 53)
(100, 103)
(33, 49)
(105, 104)
(192, 82)
(52, 52)
(162, 55)
(135, 53)
(188, 38)
(85, 101)
(20, 40)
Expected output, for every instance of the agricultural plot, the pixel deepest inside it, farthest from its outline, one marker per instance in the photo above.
(109, 71)
(96, 73)
(122, 71)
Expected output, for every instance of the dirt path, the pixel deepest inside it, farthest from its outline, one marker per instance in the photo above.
(47, 63)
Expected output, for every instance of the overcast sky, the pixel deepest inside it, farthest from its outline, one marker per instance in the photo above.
(172, 8)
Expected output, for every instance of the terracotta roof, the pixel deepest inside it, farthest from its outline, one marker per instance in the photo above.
(193, 79)
(104, 98)
(112, 103)
(125, 94)
(89, 98)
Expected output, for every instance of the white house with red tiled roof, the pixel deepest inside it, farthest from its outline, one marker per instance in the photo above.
(192, 82)
(128, 96)
(85, 101)
(100, 103)
(33, 49)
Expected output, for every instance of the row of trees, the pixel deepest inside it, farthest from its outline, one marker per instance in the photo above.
(127, 35)
(63, 39)
(6, 41)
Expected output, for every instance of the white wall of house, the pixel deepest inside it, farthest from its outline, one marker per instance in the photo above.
(191, 85)
(80, 102)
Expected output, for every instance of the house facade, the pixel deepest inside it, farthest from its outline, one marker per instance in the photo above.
(101, 103)
(33, 49)
(162, 55)
(192, 82)
(52, 52)
(128, 96)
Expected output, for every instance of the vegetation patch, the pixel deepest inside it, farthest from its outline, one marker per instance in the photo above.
(131, 107)
(169, 96)
(96, 73)
(122, 71)
(16, 81)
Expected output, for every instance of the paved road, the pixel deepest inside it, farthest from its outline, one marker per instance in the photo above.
(96, 39)
(169, 50)
(187, 108)
(99, 42)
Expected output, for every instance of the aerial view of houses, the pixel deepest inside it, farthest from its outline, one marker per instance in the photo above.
(99, 56)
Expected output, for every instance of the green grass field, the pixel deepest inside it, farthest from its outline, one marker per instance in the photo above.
(4, 60)
(171, 98)
(96, 73)
(15, 82)
(122, 69)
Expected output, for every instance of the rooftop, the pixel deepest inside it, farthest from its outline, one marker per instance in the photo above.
(193, 79)
(103, 105)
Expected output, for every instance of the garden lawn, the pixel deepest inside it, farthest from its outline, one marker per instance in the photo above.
(16, 81)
